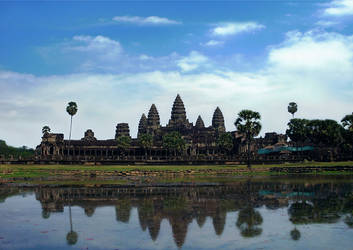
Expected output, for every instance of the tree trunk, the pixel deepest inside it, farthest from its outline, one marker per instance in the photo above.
(249, 165)
(70, 139)
(70, 218)
(70, 130)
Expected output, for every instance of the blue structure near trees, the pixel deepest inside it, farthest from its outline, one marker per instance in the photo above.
(284, 148)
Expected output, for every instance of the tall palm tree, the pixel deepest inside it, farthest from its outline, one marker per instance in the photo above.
(248, 123)
(71, 109)
(45, 130)
(292, 108)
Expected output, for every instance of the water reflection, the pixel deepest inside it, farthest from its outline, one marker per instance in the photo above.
(295, 234)
(72, 236)
(248, 222)
(305, 202)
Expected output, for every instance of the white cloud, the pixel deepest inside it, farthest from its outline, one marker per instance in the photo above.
(105, 55)
(324, 23)
(227, 29)
(193, 61)
(144, 57)
(313, 52)
(314, 69)
(213, 43)
(151, 20)
(339, 8)
(101, 46)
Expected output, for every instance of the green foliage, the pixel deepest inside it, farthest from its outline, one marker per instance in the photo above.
(225, 141)
(174, 141)
(297, 130)
(248, 123)
(347, 132)
(292, 108)
(123, 142)
(71, 108)
(347, 122)
(23, 151)
(320, 132)
(325, 132)
(145, 140)
(45, 130)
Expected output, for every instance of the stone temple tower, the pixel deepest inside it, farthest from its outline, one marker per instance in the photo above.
(178, 115)
(153, 121)
(142, 125)
(199, 122)
(122, 129)
(218, 120)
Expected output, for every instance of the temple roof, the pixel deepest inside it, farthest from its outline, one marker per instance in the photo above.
(199, 122)
(217, 119)
(153, 116)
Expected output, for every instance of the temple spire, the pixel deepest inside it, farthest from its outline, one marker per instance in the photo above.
(178, 114)
(153, 120)
(199, 122)
(142, 125)
(178, 110)
(218, 120)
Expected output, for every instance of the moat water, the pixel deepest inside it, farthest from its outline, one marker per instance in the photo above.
(258, 213)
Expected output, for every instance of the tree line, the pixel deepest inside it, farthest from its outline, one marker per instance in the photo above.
(20, 152)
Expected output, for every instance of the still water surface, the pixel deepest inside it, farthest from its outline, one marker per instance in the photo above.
(258, 213)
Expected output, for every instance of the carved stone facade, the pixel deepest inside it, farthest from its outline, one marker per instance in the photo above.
(201, 142)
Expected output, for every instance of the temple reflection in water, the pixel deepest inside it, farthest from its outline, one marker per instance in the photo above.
(180, 206)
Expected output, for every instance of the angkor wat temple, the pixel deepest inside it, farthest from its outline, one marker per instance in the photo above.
(201, 142)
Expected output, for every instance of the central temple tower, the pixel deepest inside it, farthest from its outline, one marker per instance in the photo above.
(178, 116)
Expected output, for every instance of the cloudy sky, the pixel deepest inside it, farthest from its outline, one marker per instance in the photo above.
(117, 58)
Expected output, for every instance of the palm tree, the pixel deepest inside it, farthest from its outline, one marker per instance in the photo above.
(45, 130)
(72, 236)
(71, 109)
(248, 124)
(292, 108)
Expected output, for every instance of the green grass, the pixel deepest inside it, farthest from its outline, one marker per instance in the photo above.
(36, 171)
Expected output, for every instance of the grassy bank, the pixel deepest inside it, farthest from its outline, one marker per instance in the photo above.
(37, 171)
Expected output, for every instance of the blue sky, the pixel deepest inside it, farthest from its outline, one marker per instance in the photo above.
(116, 58)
